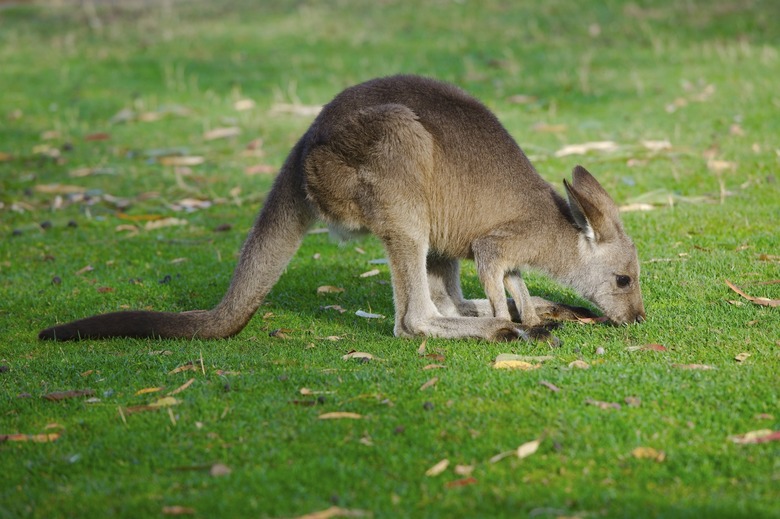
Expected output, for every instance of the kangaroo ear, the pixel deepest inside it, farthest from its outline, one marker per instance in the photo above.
(594, 212)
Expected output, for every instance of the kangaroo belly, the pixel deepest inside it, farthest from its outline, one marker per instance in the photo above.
(371, 169)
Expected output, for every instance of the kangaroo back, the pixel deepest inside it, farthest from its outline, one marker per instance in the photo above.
(273, 240)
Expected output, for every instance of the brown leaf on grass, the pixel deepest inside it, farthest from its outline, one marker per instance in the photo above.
(438, 468)
(182, 387)
(582, 149)
(421, 349)
(59, 189)
(335, 511)
(56, 396)
(243, 104)
(515, 364)
(222, 133)
(148, 390)
(550, 128)
(359, 355)
(164, 222)
(183, 160)
(464, 470)
(329, 289)
(528, 448)
(219, 469)
(105, 290)
(337, 308)
(430, 383)
(549, 385)
(648, 453)
(5, 157)
(742, 357)
(280, 333)
(703, 367)
(763, 301)
(433, 366)
(760, 436)
(189, 366)
(647, 347)
(633, 401)
(579, 364)
(37, 438)
(178, 510)
(461, 482)
(602, 405)
(370, 273)
(100, 136)
(339, 415)
(368, 315)
(84, 270)
(261, 169)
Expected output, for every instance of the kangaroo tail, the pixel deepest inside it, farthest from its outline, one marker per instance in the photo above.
(273, 240)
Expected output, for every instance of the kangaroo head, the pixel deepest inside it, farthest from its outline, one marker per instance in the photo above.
(608, 270)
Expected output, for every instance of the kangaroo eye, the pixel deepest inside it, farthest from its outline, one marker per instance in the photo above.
(623, 281)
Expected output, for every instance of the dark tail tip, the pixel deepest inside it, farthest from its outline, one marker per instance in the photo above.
(58, 333)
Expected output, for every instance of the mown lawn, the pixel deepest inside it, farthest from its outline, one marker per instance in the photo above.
(137, 142)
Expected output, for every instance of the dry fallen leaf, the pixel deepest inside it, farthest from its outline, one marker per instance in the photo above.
(461, 482)
(59, 189)
(433, 366)
(370, 273)
(421, 349)
(359, 355)
(164, 222)
(579, 364)
(549, 385)
(528, 448)
(367, 315)
(182, 160)
(432, 382)
(219, 469)
(742, 357)
(582, 149)
(37, 438)
(178, 510)
(602, 405)
(647, 347)
(763, 301)
(182, 387)
(338, 415)
(261, 169)
(335, 511)
(702, 367)
(648, 453)
(222, 133)
(165, 401)
(62, 395)
(148, 390)
(760, 436)
(464, 470)
(329, 289)
(438, 468)
(515, 364)
(189, 366)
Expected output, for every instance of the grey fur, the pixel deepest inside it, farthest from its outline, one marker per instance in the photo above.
(432, 173)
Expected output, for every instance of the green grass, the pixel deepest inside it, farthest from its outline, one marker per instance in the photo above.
(702, 75)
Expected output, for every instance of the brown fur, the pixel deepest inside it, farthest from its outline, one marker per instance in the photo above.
(431, 172)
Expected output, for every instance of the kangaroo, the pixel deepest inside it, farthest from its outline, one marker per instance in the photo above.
(435, 176)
